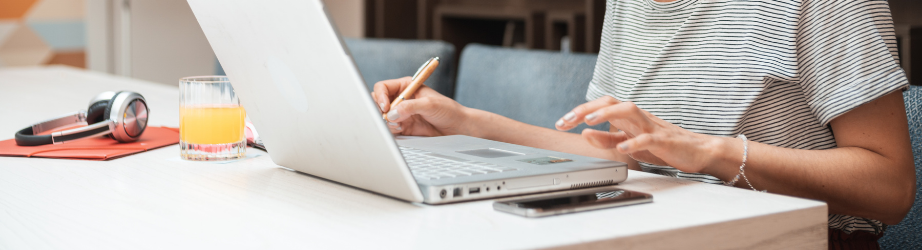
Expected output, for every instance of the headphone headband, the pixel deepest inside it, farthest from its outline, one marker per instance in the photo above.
(126, 120)
(72, 119)
(27, 137)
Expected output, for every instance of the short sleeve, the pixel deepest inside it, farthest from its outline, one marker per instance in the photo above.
(846, 55)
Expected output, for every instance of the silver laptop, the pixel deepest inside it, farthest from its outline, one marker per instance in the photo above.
(315, 115)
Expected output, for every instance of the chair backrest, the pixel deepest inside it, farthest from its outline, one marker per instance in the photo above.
(382, 59)
(535, 87)
(908, 234)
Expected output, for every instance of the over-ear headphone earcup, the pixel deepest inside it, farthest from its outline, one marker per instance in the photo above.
(108, 111)
(96, 112)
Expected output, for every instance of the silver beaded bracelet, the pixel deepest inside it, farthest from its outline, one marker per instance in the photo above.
(742, 171)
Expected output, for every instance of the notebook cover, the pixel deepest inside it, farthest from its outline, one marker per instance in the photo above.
(98, 148)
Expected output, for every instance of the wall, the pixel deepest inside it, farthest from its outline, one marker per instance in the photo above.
(154, 40)
(39, 32)
(160, 40)
(348, 15)
(167, 42)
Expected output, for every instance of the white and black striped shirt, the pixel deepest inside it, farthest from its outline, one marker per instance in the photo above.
(777, 71)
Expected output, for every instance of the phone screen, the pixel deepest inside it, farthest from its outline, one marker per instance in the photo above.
(578, 200)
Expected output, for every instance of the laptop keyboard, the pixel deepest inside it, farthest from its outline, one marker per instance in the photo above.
(431, 166)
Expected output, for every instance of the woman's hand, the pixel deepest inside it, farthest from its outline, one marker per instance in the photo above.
(427, 113)
(648, 138)
(872, 147)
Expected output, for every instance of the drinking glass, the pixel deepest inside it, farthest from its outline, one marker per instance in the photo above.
(211, 120)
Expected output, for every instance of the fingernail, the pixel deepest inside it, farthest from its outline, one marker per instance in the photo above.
(399, 128)
(569, 116)
(591, 116)
(624, 147)
(560, 123)
(393, 124)
(382, 105)
(393, 115)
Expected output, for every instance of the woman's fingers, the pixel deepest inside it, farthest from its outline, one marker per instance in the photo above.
(625, 115)
(640, 143)
(410, 107)
(394, 127)
(575, 117)
(385, 91)
(425, 91)
(602, 139)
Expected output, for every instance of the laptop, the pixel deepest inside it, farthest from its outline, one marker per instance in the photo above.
(301, 88)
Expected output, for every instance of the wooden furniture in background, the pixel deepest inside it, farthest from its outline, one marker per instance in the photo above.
(533, 24)
(915, 55)
(541, 24)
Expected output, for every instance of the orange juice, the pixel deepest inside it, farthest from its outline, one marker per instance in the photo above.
(211, 125)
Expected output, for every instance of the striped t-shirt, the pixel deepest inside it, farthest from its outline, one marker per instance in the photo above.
(777, 71)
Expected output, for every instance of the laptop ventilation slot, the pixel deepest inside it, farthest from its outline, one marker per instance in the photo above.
(592, 184)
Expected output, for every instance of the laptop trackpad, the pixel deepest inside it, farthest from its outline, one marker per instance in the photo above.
(490, 153)
(447, 157)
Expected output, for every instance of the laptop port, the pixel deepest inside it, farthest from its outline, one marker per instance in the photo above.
(443, 193)
(473, 190)
(498, 187)
(456, 192)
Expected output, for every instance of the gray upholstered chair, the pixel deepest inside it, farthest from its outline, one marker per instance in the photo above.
(382, 59)
(908, 234)
(535, 87)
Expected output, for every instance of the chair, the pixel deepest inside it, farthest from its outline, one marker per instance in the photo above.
(382, 59)
(908, 234)
(535, 87)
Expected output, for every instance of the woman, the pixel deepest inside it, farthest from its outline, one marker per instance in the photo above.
(813, 84)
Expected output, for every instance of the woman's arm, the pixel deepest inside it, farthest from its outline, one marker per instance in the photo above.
(870, 174)
(431, 114)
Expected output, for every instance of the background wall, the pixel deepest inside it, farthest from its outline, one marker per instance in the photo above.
(155, 40)
(159, 40)
(348, 16)
(37, 32)
(166, 42)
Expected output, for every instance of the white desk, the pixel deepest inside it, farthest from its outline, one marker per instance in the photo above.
(153, 200)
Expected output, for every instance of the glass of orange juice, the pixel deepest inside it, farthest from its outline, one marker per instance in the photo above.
(211, 120)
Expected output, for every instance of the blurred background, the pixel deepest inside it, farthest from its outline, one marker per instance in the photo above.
(160, 40)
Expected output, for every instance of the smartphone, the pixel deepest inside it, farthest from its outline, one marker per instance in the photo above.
(571, 201)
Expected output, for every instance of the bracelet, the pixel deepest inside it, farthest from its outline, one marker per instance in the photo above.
(742, 166)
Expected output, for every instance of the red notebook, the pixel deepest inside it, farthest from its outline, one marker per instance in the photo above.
(98, 148)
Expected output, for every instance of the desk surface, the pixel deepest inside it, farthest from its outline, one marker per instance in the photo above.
(154, 200)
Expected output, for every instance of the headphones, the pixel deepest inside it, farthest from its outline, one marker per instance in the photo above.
(121, 115)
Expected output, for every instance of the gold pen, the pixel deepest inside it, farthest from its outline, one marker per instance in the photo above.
(417, 81)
